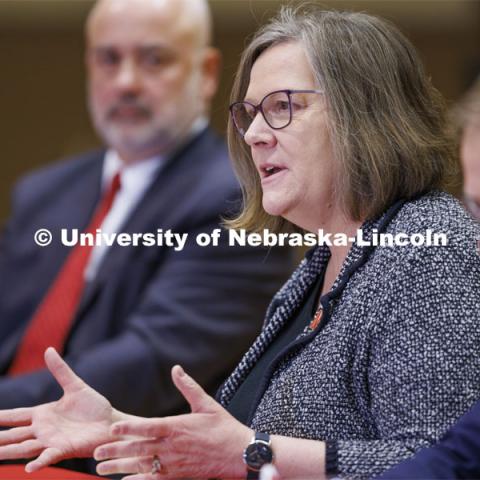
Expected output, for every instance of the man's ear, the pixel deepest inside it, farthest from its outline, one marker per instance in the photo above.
(211, 64)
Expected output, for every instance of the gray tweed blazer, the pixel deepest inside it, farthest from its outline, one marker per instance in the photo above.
(396, 358)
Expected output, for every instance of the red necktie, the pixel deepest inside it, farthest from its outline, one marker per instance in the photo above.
(53, 318)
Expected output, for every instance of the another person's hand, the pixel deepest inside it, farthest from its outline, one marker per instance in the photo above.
(70, 427)
(209, 442)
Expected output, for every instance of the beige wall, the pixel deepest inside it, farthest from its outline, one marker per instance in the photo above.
(42, 78)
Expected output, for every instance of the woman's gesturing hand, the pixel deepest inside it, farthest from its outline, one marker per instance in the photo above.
(205, 443)
(70, 427)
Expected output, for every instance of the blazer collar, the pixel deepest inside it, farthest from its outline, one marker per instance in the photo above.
(290, 298)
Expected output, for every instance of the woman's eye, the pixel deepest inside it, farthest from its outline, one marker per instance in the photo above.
(281, 106)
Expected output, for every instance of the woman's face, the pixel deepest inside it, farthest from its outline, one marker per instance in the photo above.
(300, 186)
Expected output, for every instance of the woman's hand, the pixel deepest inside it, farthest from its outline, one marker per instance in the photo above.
(70, 427)
(205, 443)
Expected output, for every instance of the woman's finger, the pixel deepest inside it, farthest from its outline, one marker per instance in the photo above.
(15, 417)
(145, 427)
(126, 465)
(128, 448)
(16, 435)
(48, 457)
(26, 449)
(147, 476)
(63, 374)
(193, 393)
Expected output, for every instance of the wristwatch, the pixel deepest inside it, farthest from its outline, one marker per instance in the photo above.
(257, 454)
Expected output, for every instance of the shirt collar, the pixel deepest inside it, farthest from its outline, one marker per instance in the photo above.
(143, 171)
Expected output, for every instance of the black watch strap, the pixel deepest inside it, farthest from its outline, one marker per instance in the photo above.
(253, 475)
(331, 458)
(264, 437)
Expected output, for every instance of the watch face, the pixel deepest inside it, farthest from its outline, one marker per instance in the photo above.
(257, 455)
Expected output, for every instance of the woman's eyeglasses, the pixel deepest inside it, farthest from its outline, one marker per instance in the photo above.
(277, 109)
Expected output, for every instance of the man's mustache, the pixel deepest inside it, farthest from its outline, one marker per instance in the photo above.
(137, 106)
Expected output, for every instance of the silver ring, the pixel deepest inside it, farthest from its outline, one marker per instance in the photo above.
(156, 465)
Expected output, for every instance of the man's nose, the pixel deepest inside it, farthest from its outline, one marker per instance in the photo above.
(128, 78)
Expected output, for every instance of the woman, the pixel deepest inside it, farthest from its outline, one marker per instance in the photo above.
(367, 353)
(457, 454)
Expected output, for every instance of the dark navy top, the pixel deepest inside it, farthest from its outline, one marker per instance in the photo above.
(244, 399)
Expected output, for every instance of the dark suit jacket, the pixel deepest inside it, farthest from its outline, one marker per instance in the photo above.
(148, 307)
(455, 456)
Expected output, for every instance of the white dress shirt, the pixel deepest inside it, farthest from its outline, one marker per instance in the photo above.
(134, 182)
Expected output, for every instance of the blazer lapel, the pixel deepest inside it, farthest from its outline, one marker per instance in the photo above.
(284, 305)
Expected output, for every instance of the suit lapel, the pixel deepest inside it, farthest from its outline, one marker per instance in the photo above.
(159, 208)
(73, 211)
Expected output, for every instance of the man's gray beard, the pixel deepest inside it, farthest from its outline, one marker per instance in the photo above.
(135, 142)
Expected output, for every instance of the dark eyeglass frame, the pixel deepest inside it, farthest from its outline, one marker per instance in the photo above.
(259, 108)
(472, 206)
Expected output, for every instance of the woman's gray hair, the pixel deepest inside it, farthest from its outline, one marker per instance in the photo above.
(387, 123)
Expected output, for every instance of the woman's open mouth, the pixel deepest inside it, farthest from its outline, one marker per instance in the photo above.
(271, 172)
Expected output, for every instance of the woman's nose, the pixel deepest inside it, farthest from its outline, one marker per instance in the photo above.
(259, 132)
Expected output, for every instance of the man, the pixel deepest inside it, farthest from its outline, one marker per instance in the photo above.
(123, 315)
